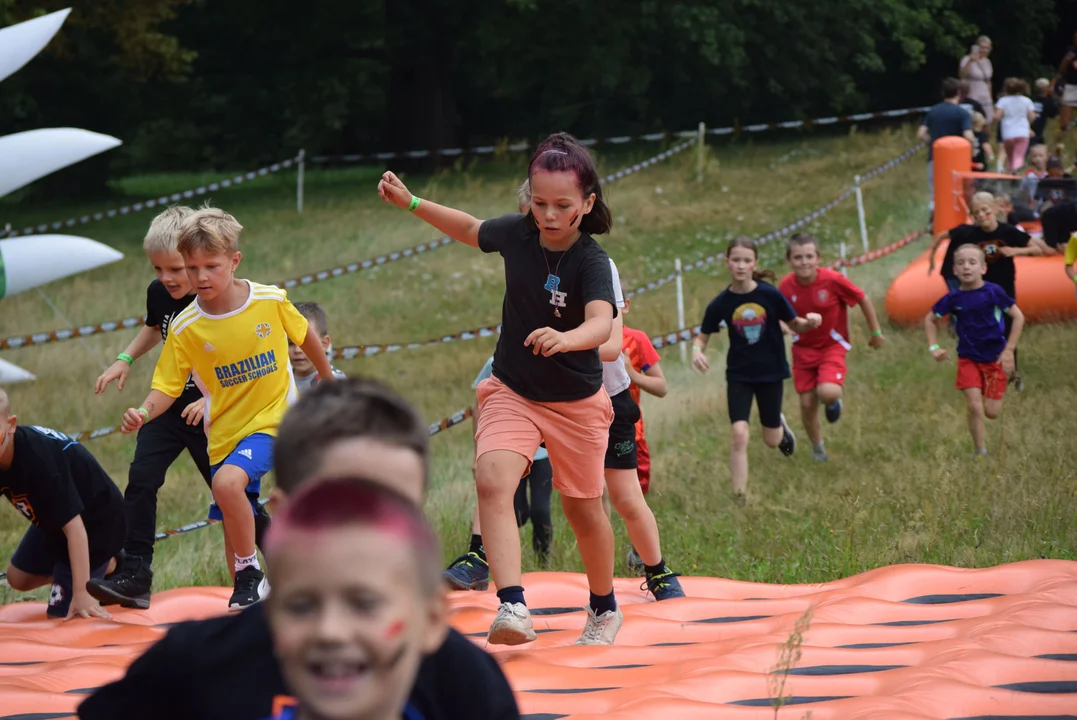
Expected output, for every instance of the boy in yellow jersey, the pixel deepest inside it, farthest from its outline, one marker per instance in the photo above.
(233, 341)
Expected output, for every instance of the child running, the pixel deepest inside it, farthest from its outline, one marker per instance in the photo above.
(1001, 243)
(306, 375)
(75, 510)
(159, 443)
(471, 571)
(819, 369)
(641, 362)
(985, 349)
(350, 644)
(547, 376)
(233, 340)
(756, 366)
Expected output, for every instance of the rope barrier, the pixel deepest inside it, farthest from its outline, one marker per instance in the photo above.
(51, 336)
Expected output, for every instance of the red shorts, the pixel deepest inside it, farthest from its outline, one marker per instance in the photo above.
(643, 465)
(813, 367)
(990, 378)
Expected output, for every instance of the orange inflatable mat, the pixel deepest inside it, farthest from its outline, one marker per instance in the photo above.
(907, 642)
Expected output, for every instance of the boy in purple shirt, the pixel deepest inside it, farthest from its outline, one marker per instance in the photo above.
(985, 356)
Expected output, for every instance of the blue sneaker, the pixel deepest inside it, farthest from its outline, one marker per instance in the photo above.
(663, 585)
(468, 572)
(833, 411)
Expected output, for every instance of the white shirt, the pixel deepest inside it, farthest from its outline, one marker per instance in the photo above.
(614, 376)
(1015, 109)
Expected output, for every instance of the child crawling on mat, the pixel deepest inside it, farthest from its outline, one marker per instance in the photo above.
(350, 644)
(75, 510)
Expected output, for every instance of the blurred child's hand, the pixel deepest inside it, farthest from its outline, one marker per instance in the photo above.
(1007, 361)
(193, 412)
(1007, 251)
(132, 420)
(814, 319)
(83, 605)
(940, 354)
(699, 361)
(877, 341)
(392, 191)
(117, 371)
(547, 341)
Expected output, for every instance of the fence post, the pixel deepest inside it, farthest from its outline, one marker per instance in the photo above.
(299, 182)
(700, 147)
(680, 303)
(843, 270)
(860, 212)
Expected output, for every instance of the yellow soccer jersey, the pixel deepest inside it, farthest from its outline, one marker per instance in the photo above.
(239, 361)
(1070, 256)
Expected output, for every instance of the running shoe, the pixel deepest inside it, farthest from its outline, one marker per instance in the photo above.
(601, 629)
(512, 626)
(128, 586)
(468, 572)
(788, 444)
(833, 411)
(251, 587)
(663, 585)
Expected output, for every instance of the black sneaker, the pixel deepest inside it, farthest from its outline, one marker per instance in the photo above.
(468, 572)
(261, 525)
(788, 444)
(129, 586)
(663, 585)
(1018, 382)
(833, 411)
(251, 587)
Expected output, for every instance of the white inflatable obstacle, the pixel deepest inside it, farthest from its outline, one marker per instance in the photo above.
(27, 262)
(11, 374)
(33, 154)
(21, 42)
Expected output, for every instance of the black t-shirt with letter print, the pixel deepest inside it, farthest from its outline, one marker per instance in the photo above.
(1000, 269)
(53, 479)
(756, 344)
(160, 309)
(546, 289)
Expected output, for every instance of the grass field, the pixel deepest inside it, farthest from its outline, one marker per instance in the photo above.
(901, 485)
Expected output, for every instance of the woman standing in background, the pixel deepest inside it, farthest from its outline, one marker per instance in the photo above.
(977, 69)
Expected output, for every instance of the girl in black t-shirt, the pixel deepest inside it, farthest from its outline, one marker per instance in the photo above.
(546, 384)
(756, 365)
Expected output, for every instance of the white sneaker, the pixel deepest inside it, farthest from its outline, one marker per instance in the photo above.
(512, 626)
(601, 629)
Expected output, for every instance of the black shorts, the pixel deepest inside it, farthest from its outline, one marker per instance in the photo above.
(37, 556)
(621, 449)
(768, 396)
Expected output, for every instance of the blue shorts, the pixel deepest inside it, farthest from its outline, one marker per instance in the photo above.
(254, 456)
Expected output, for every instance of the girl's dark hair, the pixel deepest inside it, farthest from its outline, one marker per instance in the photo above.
(561, 152)
(743, 241)
(1015, 86)
(800, 239)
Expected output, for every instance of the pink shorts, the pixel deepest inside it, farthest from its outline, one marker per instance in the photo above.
(575, 433)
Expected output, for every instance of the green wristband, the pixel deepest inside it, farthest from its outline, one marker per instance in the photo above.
(1074, 278)
(126, 358)
(877, 333)
(414, 204)
(934, 347)
(145, 414)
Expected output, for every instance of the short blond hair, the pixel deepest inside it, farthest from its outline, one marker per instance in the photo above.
(210, 230)
(163, 233)
(978, 121)
(982, 197)
(1042, 83)
(523, 194)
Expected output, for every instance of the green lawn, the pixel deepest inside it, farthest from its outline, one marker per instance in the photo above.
(901, 485)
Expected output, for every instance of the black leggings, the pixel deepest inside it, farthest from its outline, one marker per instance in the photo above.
(538, 511)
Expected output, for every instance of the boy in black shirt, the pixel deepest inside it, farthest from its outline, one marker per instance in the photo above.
(224, 668)
(75, 508)
(161, 441)
(1046, 108)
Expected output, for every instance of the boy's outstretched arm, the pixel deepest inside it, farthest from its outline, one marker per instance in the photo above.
(932, 333)
(944, 235)
(611, 349)
(146, 340)
(153, 406)
(78, 554)
(456, 224)
(1006, 358)
(312, 348)
(652, 381)
(877, 339)
(806, 323)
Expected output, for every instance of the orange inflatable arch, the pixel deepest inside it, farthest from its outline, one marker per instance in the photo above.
(1044, 293)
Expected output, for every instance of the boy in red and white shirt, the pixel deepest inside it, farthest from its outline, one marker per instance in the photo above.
(819, 355)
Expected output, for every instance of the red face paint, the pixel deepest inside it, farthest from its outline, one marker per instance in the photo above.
(394, 630)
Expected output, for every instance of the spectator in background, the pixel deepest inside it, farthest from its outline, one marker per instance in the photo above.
(1037, 170)
(971, 105)
(1067, 75)
(1015, 114)
(1014, 214)
(977, 69)
(982, 152)
(944, 119)
(1046, 108)
(1058, 187)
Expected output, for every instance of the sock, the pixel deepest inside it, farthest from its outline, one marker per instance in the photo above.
(476, 546)
(243, 562)
(817, 448)
(603, 603)
(514, 594)
(656, 569)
